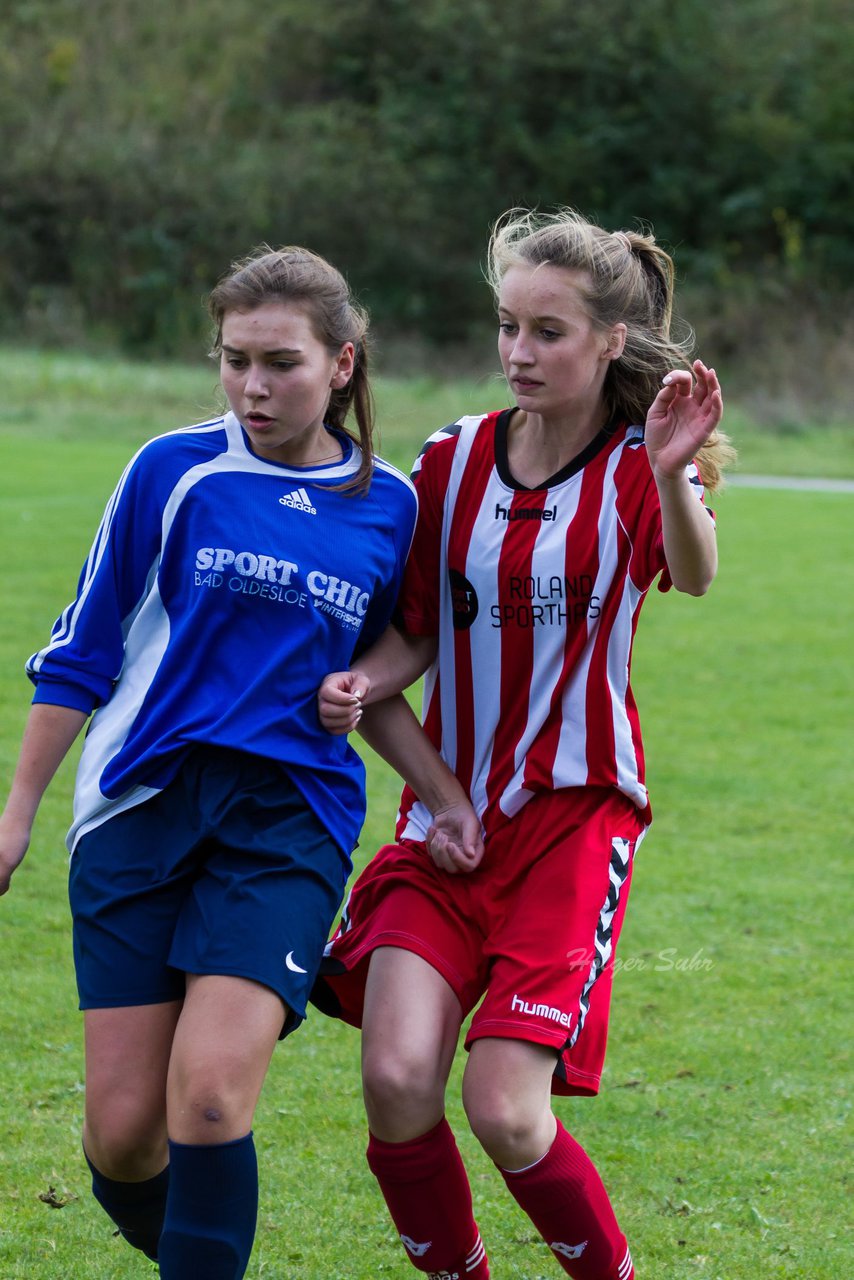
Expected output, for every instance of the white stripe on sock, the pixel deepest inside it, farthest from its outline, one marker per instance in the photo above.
(477, 1254)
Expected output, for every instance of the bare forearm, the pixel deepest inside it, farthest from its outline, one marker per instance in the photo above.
(49, 733)
(690, 545)
(395, 662)
(48, 736)
(392, 729)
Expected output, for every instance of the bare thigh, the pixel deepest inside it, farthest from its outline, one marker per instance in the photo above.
(410, 1028)
(223, 1043)
(127, 1063)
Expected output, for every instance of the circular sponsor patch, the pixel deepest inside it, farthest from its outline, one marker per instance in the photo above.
(463, 600)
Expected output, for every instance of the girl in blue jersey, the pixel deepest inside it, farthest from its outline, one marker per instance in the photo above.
(236, 563)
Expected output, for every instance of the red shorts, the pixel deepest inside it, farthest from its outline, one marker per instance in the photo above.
(533, 930)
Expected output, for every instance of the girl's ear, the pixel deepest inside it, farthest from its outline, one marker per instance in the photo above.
(616, 342)
(344, 365)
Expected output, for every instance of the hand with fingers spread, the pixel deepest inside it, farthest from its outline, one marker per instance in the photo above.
(681, 418)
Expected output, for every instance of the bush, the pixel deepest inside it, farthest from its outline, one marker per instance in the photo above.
(149, 145)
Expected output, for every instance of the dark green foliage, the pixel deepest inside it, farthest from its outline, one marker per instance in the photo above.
(147, 145)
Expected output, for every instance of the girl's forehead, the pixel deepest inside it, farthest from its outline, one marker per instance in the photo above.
(278, 323)
(542, 290)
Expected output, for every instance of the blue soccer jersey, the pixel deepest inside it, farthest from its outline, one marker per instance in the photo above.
(219, 591)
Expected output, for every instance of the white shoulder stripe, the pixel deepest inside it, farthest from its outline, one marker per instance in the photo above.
(64, 630)
(447, 433)
(65, 627)
(199, 428)
(380, 464)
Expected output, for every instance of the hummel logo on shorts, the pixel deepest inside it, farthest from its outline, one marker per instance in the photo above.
(299, 501)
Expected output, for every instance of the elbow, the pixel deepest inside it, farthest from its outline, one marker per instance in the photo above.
(694, 576)
(695, 584)
(695, 589)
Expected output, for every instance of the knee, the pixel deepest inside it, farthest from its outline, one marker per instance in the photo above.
(402, 1092)
(497, 1121)
(513, 1131)
(124, 1140)
(207, 1110)
(207, 1107)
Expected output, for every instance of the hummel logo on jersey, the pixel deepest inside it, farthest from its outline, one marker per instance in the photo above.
(417, 1250)
(524, 513)
(569, 1250)
(299, 501)
(443, 1275)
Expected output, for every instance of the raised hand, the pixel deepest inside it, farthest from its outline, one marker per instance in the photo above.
(681, 418)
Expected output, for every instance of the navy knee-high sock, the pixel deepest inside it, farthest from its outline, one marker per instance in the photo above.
(137, 1208)
(211, 1210)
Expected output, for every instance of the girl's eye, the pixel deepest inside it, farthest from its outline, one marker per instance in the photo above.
(549, 334)
(283, 364)
(235, 362)
(506, 327)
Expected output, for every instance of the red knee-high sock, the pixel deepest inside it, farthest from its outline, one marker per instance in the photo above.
(427, 1191)
(564, 1197)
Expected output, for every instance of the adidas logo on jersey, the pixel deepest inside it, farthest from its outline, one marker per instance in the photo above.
(299, 501)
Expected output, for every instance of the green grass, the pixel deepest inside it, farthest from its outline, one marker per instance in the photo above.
(723, 1112)
(67, 397)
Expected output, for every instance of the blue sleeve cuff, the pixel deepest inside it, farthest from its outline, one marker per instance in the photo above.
(58, 694)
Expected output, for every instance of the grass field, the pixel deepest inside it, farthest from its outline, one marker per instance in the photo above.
(724, 1116)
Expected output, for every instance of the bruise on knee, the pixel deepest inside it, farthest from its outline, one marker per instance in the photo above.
(206, 1108)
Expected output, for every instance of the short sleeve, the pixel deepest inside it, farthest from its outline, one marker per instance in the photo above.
(418, 606)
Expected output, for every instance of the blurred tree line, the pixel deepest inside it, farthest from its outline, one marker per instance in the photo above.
(146, 144)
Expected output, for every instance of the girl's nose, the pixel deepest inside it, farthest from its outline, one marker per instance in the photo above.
(256, 382)
(520, 353)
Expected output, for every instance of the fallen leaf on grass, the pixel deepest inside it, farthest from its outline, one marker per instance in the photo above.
(682, 1210)
(53, 1200)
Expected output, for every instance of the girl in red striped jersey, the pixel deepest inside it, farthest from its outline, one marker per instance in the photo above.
(541, 529)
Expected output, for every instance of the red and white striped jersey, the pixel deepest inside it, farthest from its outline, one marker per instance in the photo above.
(534, 595)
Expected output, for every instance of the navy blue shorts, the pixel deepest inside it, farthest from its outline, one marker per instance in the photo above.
(225, 871)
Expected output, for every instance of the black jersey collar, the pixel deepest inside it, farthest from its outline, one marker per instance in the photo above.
(502, 465)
